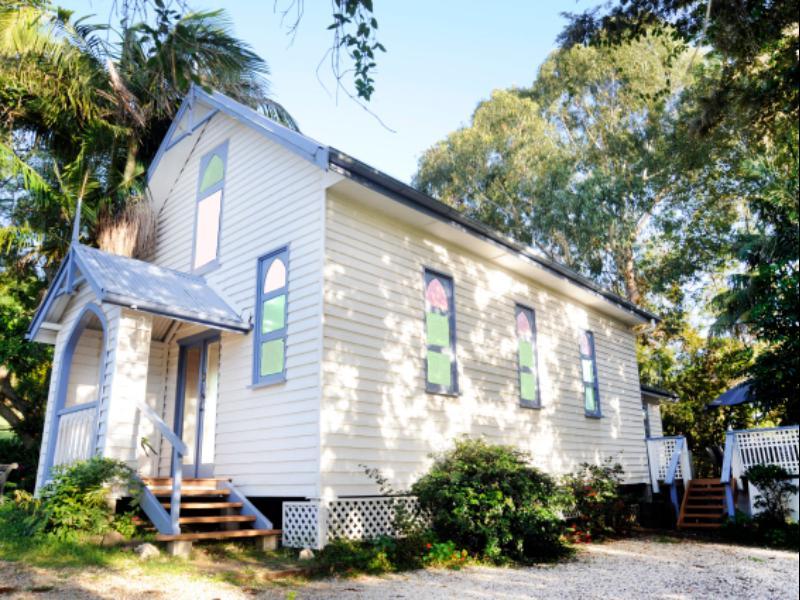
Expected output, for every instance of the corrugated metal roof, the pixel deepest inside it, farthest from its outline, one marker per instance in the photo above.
(148, 287)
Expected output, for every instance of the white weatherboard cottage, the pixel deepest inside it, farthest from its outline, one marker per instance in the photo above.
(303, 315)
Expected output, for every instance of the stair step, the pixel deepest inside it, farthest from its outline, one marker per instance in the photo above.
(204, 505)
(218, 535)
(218, 519)
(703, 515)
(167, 491)
(704, 525)
(709, 507)
(168, 480)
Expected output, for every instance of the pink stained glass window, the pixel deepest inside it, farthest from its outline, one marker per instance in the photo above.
(585, 344)
(276, 276)
(436, 296)
(523, 325)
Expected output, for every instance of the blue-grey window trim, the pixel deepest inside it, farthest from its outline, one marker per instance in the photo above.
(428, 275)
(595, 384)
(258, 337)
(222, 151)
(531, 313)
(63, 379)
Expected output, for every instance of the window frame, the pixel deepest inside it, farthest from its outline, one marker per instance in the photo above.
(221, 150)
(449, 288)
(598, 413)
(262, 266)
(531, 314)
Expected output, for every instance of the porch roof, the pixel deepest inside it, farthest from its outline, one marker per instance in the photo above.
(141, 286)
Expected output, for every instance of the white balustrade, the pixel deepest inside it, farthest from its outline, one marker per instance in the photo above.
(660, 453)
(75, 439)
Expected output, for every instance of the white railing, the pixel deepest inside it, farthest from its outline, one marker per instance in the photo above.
(168, 523)
(745, 448)
(313, 523)
(660, 454)
(75, 436)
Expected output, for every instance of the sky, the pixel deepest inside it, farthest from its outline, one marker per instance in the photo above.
(443, 57)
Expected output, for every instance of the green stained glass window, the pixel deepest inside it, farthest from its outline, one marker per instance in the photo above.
(272, 304)
(438, 329)
(590, 399)
(591, 394)
(213, 174)
(527, 386)
(526, 357)
(439, 369)
(439, 334)
(272, 357)
(525, 354)
(273, 314)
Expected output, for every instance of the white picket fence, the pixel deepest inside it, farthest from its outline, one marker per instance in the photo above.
(312, 524)
(75, 436)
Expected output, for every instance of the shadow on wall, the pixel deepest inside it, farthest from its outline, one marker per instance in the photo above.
(375, 409)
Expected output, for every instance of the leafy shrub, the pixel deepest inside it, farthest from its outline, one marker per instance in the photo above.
(380, 555)
(489, 501)
(75, 502)
(445, 554)
(598, 502)
(775, 486)
(761, 530)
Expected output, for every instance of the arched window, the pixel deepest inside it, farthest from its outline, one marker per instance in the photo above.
(440, 361)
(269, 364)
(527, 358)
(209, 207)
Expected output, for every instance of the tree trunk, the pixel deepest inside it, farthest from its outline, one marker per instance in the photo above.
(629, 276)
(11, 410)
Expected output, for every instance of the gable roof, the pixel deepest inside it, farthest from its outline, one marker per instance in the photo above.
(329, 158)
(141, 286)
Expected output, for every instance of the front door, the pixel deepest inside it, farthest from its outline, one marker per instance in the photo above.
(195, 417)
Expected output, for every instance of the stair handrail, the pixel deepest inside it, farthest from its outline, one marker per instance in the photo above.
(179, 450)
(669, 478)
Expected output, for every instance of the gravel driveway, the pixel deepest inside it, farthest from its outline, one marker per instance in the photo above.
(641, 568)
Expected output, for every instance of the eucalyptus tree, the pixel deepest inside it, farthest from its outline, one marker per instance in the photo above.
(583, 164)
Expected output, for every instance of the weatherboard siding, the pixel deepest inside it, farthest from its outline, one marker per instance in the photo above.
(375, 411)
(267, 438)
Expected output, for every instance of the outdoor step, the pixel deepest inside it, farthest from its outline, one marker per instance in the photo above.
(694, 515)
(702, 525)
(218, 519)
(695, 507)
(204, 505)
(218, 535)
(159, 491)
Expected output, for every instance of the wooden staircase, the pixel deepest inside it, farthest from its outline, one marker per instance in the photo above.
(703, 505)
(208, 512)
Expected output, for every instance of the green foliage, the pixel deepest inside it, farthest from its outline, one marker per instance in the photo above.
(698, 368)
(490, 502)
(775, 487)
(762, 531)
(75, 502)
(354, 26)
(380, 555)
(600, 506)
(445, 554)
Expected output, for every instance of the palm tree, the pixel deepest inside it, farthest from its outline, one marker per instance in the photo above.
(83, 108)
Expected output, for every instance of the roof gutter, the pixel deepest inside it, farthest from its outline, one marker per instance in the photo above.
(397, 190)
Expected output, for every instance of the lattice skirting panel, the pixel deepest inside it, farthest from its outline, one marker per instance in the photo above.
(314, 523)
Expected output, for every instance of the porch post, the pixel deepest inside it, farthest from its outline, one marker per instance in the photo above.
(130, 357)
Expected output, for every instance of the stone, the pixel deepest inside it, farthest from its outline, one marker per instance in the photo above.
(147, 551)
(181, 548)
(306, 554)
